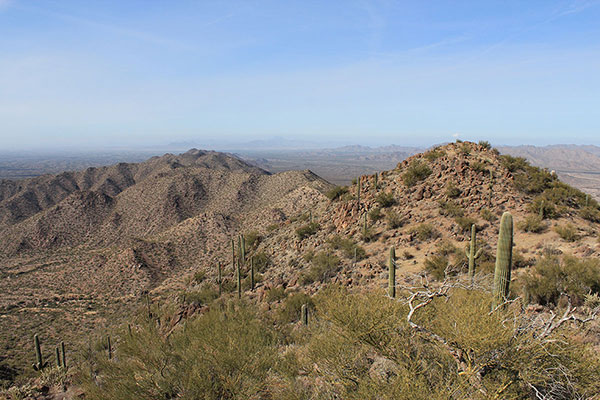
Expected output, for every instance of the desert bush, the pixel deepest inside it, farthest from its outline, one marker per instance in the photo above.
(478, 166)
(385, 199)
(290, 309)
(261, 261)
(204, 295)
(394, 220)
(272, 227)
(487, 215)
(434, 154)
(553, 277)
(485, 144)
(347, 246)
(275, 294)
(423, 231)
(590, 213)
(336, 192)
(307, 230)
(465, 149)
(567, 232)
(452, 191)
(221, 354)
(436, 266)
(465, 223)
(323, 266)
(416, 172)
(375, 214)
(252, 239)
(513, 164)
(451, 208)
(199, 277)
(356, 330)
(541, 205)
(532, 223)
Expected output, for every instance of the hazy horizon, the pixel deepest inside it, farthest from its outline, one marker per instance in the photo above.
(140, 74)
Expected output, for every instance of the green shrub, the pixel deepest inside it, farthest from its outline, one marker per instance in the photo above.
(261, 261)
(567, 232)
(275, 294)
(487, 215)
(385, 199)
(532, 223)
(513, 164)
(465, 149)
(323, 266)
(204, 295)
(423, 231)
(290, 310)
(221, 354)
(307, 230)
(375, 214)
(416, 172)
(590, 213)
(336, 192)
(465, 223)
(347, 246)
(272, 227)
(452, 191)
(394, 220)
(451, 208)
(544, 205)
(199, 277)
(252, 239)
(485, 144)
(436, 266)
(478, 167)
(552, 277)
(434, 154)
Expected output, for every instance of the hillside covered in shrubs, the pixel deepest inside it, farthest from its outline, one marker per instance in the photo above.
(460, 274)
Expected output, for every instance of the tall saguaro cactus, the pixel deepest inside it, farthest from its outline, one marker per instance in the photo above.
(503, 260)
(64, 356)
(252, 273)
(376, 181)
(304, 314)
(473, 253)
(40, 364)
(358, 187)
(239, 280)
(220, 278)
(109, 345)
(392, 272)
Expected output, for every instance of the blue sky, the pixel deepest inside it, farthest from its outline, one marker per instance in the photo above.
(104, 73)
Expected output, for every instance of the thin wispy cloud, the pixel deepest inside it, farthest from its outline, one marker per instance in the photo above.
(112, 28)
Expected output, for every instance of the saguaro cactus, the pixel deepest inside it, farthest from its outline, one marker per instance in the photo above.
(108, 343)
(392, 272)
(542, 210)
(220, 278)
(304, 314)
(376, 181)
(365, 227)
(40, 364)
(358, 187)
(57, 351)
(503, 260)
(473, 253)
(64, 355)
(232, 253)
(239, 280)
(252, 273)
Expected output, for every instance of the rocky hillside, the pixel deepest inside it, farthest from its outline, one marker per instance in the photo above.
(425, 208)
(84, 262)
(80, 248)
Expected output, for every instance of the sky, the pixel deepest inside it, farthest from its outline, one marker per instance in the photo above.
(372, 72)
